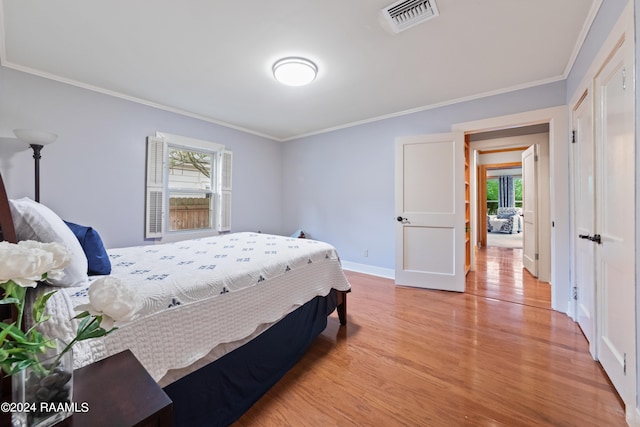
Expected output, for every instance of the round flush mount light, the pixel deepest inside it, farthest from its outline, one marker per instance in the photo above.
(294, 71)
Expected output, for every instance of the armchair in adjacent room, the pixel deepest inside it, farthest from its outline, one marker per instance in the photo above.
(508, 220)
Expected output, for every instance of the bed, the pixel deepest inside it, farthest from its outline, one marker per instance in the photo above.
(223, 318)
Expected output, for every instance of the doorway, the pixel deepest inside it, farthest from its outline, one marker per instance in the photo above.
(499, 271)
(495, 228)
(556, 119)
(498, 154)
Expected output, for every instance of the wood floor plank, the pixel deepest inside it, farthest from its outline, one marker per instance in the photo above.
(496, 355)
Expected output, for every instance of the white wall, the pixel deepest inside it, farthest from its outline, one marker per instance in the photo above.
(502, 157)
(94, 173)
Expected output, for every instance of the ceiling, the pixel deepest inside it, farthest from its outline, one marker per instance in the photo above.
(212, 59)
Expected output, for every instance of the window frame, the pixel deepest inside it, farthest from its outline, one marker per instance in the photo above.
(212, 191)
(157, 207)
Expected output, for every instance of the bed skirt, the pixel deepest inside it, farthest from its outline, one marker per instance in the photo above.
(220, 392)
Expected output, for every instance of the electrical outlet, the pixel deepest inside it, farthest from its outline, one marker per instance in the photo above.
(366, 253)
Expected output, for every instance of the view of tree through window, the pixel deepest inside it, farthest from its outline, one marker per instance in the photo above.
(493, 194)
(190, 189)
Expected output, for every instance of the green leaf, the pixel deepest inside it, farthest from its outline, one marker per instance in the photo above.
(4, 333)
(93, 334)
(24, 364)
(83, 323)
(39, 306)
(51, 344)
(92, 329)
(14, 332)
(81, 315)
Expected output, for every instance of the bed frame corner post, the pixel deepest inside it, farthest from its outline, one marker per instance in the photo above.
(342, 307)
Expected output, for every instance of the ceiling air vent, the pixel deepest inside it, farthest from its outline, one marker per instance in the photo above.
(405, 14)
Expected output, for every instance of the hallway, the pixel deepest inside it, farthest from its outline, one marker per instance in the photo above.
(499, 275)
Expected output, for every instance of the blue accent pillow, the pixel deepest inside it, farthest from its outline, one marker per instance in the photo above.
(97, 258)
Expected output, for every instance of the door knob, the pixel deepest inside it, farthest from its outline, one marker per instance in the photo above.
(400, 219)
(595, 238)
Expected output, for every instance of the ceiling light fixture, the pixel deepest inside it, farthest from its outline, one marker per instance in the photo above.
(295, 71)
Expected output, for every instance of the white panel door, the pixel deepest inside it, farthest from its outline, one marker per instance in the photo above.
(530, 210)
(584, 206)
(615, 222)
(430, 209)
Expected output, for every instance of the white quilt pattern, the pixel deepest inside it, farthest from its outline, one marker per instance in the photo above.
(204, 292)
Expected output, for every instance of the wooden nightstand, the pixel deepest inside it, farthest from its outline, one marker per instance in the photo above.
(119, 392)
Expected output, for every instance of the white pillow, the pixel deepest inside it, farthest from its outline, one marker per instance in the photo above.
(34, 221)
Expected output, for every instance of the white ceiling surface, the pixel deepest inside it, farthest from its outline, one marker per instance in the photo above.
(212, 59)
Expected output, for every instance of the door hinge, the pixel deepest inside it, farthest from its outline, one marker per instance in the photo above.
(575, 292)
(624, 79)
(535, 158)
(624, 364)
(537, 257)
(573, 136)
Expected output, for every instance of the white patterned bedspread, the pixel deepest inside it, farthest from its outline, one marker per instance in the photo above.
(203, 292)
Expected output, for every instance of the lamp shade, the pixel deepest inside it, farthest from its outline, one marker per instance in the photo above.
(295, 71)
(35, 137)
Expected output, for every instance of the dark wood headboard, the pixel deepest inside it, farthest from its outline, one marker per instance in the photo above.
(8, 233)
(7, 230)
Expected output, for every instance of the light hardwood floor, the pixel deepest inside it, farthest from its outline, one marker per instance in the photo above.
(496, 355)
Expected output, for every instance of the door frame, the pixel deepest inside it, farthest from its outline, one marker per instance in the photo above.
(482, 194)
(558, 120)
(532, 212)
(586, 96)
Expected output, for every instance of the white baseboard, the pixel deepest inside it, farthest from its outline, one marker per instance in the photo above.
(387, 273)
(633, 417)
(571, 310)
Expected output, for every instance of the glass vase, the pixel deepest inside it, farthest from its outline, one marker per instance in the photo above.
(42, 394)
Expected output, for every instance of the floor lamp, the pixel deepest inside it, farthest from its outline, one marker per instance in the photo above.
(36, 140)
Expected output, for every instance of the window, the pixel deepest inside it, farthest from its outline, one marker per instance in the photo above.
(493, 194)
(191, 180)
(190, 185)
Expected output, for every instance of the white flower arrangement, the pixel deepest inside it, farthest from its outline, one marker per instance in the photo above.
(112, 300)
(22, 266)
(28, 262)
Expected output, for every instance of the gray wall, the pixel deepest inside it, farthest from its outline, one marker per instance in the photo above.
(339, 186)
(94, 174)
(607, 16)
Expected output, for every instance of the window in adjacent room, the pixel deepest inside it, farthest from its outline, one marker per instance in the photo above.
(493, 193)
(188, 186)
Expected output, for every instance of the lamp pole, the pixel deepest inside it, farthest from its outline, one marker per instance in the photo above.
(36, 156)
(36, 139)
